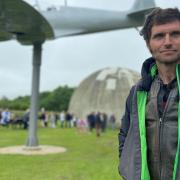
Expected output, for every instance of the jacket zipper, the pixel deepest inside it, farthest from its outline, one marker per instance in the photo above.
(160, 156)
(161, 135)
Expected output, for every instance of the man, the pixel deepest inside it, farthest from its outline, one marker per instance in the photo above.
(149, 137)
(5, 117)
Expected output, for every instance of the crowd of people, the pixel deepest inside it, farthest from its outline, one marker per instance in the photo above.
(7, 117)
(97, 121)
(93, 120)
(51, 119)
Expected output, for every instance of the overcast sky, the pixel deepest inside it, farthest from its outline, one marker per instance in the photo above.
(68, 61)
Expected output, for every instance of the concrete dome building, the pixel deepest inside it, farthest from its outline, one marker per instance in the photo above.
(105, 91)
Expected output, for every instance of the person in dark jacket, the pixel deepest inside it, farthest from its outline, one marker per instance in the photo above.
(149, 137)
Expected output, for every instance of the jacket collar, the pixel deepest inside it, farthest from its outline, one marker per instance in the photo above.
(147, 75)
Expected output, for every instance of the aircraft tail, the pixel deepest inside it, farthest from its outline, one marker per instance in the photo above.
(141, 7)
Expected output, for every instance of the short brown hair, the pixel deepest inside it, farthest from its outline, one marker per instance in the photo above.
(158, 16)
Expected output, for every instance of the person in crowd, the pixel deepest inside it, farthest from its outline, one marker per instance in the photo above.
(52, 120)
(56, 118)
(112, 121)
(73, 121)
(81, 125)
(91, 118)
(68, 119)
(62, 117)
(98, 124)
(5, 117)
(103, 121)
(43, 117)
(0, 114)
(25, 118)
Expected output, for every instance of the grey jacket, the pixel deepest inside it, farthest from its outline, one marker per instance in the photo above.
(135, 139)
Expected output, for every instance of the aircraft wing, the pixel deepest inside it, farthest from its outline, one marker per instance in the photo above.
(21, 21)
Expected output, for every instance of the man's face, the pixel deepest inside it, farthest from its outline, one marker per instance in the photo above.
(164, 42)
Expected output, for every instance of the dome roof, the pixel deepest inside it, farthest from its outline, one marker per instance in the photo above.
(105, 91)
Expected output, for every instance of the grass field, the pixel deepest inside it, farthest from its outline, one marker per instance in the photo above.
(87, 157)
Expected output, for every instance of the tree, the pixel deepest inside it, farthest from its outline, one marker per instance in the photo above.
(56, 100)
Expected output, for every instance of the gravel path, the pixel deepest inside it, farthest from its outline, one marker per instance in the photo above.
(39, 150)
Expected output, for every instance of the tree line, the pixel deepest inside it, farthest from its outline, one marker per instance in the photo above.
(57, 100)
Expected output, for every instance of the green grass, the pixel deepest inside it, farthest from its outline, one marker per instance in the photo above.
(87, 157)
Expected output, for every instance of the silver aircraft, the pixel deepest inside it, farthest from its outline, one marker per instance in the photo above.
(29, 26)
